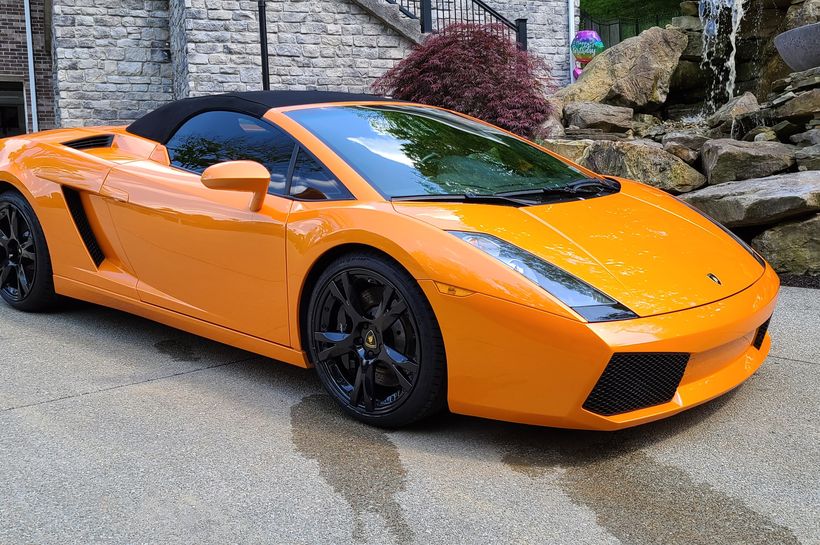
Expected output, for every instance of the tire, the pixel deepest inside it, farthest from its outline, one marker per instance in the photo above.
(375, 341)
(23, 248)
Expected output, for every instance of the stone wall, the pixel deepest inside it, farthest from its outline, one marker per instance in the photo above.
(112, 63)
(216, 43)
(548, 33)
(14, 55)
(330, 45)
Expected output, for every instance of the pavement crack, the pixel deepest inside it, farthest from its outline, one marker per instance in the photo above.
(794, 360)
(120, 386)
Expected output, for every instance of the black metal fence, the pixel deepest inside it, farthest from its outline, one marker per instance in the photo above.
(615, 31)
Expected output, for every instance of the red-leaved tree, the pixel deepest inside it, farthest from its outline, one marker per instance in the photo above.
(475, 70)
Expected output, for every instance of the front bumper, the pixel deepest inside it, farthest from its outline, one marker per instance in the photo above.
(514, 363)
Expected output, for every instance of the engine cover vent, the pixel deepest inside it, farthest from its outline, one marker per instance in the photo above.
(91, 142)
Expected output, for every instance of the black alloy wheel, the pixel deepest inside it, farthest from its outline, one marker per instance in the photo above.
(375, 342)
(18, 262)
(25, 268)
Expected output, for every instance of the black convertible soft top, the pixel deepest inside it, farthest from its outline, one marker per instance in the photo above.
(163, 122)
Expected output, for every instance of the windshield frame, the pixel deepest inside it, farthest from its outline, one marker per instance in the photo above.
(396, 106)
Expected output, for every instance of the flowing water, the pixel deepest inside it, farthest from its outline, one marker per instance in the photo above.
(721, 25)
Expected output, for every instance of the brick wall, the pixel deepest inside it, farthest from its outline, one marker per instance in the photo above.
(14, 59)
(112, 60)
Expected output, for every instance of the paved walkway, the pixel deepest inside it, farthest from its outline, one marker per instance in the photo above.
(117, 430)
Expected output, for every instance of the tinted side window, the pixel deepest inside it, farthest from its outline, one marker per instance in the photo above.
(312, 181)
(215, 137)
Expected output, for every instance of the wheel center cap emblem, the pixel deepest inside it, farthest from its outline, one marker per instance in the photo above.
(13, 251)
(370, 340)
(714, 279)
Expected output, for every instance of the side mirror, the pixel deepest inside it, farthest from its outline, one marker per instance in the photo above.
(247, 176)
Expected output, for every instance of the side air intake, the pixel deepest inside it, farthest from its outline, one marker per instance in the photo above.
(75, 206)
(91, 142)
(633, 381)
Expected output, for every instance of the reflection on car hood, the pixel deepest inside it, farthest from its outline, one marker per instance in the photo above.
(641, 247)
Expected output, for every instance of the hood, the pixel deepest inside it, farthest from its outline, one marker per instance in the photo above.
(643, 248)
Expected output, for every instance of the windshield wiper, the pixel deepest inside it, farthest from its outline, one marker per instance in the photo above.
(471, 198)
(580, 189)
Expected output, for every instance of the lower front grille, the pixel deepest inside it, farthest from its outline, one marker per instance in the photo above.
(633, 381)
(761, 334)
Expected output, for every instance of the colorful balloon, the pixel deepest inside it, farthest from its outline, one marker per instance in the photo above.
(586, 45)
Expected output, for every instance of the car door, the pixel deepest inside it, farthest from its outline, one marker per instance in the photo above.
(202, 252)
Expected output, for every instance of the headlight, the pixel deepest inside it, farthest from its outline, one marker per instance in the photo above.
(723, 228)
(587, 301)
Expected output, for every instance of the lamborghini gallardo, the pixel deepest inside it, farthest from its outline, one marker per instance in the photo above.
(419, 259)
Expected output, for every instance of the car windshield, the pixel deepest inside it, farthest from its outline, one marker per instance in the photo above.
(413, 151)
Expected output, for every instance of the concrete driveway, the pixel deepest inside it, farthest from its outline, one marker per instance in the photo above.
(117, 430)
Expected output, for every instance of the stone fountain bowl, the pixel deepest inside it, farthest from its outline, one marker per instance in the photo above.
(800, 47)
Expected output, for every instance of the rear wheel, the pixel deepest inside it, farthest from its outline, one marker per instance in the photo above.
(375, 342)
(26, 281)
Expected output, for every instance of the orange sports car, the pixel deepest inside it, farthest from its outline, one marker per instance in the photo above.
(417, 258)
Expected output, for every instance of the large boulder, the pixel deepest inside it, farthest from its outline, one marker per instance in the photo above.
(687, 22)
(573, 150)
(639, 160)
(688, 156)
(803, 13)
(725, 159)
(740, 105)
(792, 247)
(594, 115)
(808, 158)
(634, 73)
(762, 201)
(688, 139)
(553, 126)
(803, 106)
(808, 138)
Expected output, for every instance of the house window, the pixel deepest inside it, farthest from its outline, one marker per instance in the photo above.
(12, 109)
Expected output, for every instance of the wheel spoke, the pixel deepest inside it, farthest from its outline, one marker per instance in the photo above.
(369, 390)
(387, 295)
(356, 393)
(5, 272)
(404, 382)
(388, 318)
(346, 298)
(14, 224)
(22, 282)
(5, 221)
(342, 344)
(396, 359)
(4, 241)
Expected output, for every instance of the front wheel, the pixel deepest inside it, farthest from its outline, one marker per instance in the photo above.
(375, 342)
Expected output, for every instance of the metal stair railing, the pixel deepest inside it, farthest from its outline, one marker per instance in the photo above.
(432, 19)
(436, 15)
